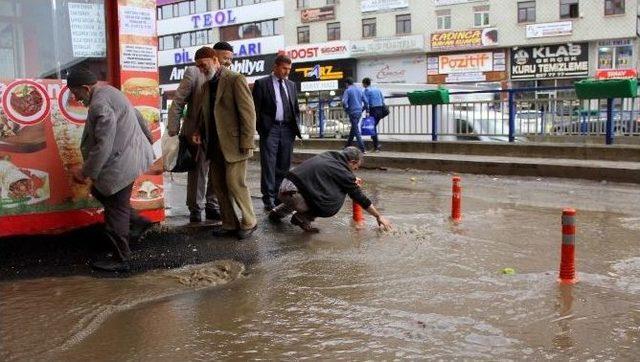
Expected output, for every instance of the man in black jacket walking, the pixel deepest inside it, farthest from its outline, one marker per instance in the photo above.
(319, 186)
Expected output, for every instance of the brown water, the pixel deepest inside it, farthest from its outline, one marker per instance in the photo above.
(429, 289)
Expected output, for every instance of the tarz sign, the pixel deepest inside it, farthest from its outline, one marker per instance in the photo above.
(551, 61)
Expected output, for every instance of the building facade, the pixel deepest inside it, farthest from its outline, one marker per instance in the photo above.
(470, 43)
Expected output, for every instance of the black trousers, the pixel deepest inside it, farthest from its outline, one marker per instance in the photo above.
(275, 160)
(118, 216)
(376, 112)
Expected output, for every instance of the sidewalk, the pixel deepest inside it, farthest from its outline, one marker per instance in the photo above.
(618, 163)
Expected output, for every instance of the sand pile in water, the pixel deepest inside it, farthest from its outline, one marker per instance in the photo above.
(210, 274)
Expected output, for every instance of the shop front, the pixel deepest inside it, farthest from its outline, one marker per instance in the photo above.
(41, 124)
(616, 58)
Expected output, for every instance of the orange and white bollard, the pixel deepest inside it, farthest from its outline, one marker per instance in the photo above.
(567, 258)
(358, 216)
(456, 199)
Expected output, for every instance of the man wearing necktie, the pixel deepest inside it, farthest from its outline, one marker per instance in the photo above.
(278, 115)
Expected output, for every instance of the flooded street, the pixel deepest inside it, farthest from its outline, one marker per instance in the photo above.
(428, 289)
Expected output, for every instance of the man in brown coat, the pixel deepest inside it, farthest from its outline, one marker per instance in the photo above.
(227, 125)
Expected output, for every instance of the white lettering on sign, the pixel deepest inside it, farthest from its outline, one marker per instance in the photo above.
(177, 74)
(564, 51)
(322, 51)
(248, 67)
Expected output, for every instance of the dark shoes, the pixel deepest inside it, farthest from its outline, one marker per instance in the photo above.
(212, 214)
(136, 231)
(195, 216)
(246, 233)
(239, 233)
(221, 232)
(303, 224)
(275, 217)
(111, 265)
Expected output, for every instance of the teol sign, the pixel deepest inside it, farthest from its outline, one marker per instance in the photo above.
(551, 61)
(214, 19)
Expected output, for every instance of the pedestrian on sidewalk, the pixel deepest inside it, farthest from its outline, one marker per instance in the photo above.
(200, 193)
(318, 188)
(116, 148)
(278, 116)
(377, 108)
(226, 128)
(354, 104)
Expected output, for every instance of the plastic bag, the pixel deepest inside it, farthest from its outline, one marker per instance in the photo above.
(176, 156)
(368, 126)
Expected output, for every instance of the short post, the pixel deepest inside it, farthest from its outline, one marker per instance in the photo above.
(434, 122)
(456, 199)
(358, 216)
(512, 116)
(609, 136)
(567, 258)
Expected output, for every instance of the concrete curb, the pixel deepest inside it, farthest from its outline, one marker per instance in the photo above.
(627, 153)
(497, 165)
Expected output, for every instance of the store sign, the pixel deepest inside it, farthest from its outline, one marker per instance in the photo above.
(394, 45)
(318, 14)
(464, 39)
(220, 18)
(465, 63)
(551, 61)
(321, 51)
(321, 85)
(249, 67)
(615, 43)
(328, 70)
(242, 49)
(404, 69)
(549, 29)
(467, 67)
(616, 74)
(382, 5)
(453, 2)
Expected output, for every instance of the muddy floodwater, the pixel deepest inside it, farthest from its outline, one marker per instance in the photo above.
(428, 289)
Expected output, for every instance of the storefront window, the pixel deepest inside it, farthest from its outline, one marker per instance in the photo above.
(615, 57)
(41, 39)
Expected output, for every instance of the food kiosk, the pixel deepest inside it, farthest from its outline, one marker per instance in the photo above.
(41, 125)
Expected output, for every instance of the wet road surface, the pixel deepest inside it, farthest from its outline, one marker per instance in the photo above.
(429, 289)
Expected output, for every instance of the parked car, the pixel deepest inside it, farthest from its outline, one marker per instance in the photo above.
(595, 122)
(332, 128)
(531, 122)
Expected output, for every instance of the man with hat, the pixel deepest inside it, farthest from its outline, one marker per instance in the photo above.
(116, 147)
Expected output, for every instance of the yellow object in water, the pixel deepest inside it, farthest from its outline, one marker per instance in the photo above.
(508, 271)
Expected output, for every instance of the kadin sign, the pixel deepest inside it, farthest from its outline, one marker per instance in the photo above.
(464, 39)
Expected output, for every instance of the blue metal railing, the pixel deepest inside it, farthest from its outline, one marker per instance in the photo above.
(504, 115)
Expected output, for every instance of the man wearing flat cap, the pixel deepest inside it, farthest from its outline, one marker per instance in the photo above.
(116, 147)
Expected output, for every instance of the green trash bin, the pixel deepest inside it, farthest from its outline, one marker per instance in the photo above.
(610, 88)
(436, 96)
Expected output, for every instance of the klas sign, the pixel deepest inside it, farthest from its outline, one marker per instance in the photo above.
(552, 61)
(319, 72)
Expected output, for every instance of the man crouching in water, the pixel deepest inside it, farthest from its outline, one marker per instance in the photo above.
(318, 187)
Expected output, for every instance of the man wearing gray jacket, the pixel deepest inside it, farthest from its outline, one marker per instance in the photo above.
(116, 148)
(197, 183)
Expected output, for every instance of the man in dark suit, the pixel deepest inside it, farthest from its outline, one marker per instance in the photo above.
(278, 115)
